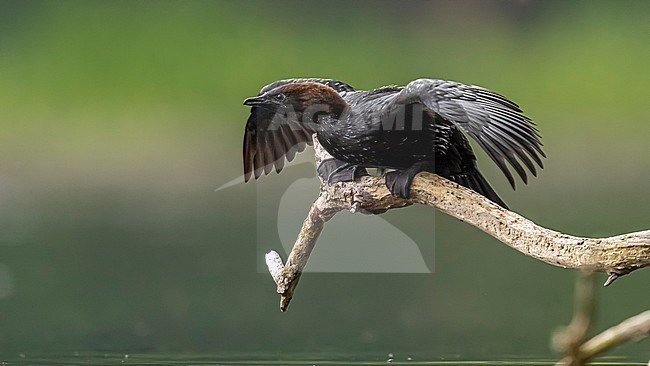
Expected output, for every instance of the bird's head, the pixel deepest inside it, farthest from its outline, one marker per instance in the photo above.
(308, 100)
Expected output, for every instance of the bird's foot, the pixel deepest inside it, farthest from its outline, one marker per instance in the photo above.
(399, 181)
(334, 171)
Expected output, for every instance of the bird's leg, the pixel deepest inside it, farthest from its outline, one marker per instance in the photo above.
(334, 171)
(399, 181)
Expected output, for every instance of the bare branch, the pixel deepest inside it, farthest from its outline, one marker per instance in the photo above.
(616, 256)
(572, 340)
(631, 329)
(569, 339)
(287, 279)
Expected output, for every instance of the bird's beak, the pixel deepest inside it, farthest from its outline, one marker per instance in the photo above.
(255, 101)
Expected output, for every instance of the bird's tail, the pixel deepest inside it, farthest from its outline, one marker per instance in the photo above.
(474, 180)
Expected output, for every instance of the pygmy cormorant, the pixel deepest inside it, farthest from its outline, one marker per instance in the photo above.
(408, 129)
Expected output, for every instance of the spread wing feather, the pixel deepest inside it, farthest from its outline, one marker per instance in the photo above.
(268, 142)
(494, 122)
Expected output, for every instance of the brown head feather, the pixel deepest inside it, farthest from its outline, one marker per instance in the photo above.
(312, 95)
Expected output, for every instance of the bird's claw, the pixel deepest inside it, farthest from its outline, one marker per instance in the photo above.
(398, 183)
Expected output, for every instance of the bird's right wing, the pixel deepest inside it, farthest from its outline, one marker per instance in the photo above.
(268, 140)
(494, 122)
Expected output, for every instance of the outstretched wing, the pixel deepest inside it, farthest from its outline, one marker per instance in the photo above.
(269, 139)
(496, 123)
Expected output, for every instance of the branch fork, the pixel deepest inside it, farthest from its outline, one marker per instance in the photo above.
(616, 255)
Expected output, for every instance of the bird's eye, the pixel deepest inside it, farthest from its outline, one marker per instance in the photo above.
(280, 97)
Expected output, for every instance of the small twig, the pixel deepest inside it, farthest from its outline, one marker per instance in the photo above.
(572, 340)
(275, 264)
(632, 329)
(616, 256)
(569, 339)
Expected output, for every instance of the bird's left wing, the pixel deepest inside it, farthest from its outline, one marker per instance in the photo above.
(494, 122)
(268, 140)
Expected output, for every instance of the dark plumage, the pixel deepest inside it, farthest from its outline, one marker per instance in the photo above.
(409, 129)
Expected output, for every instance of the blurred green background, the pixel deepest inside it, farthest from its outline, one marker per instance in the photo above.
(119, 120)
